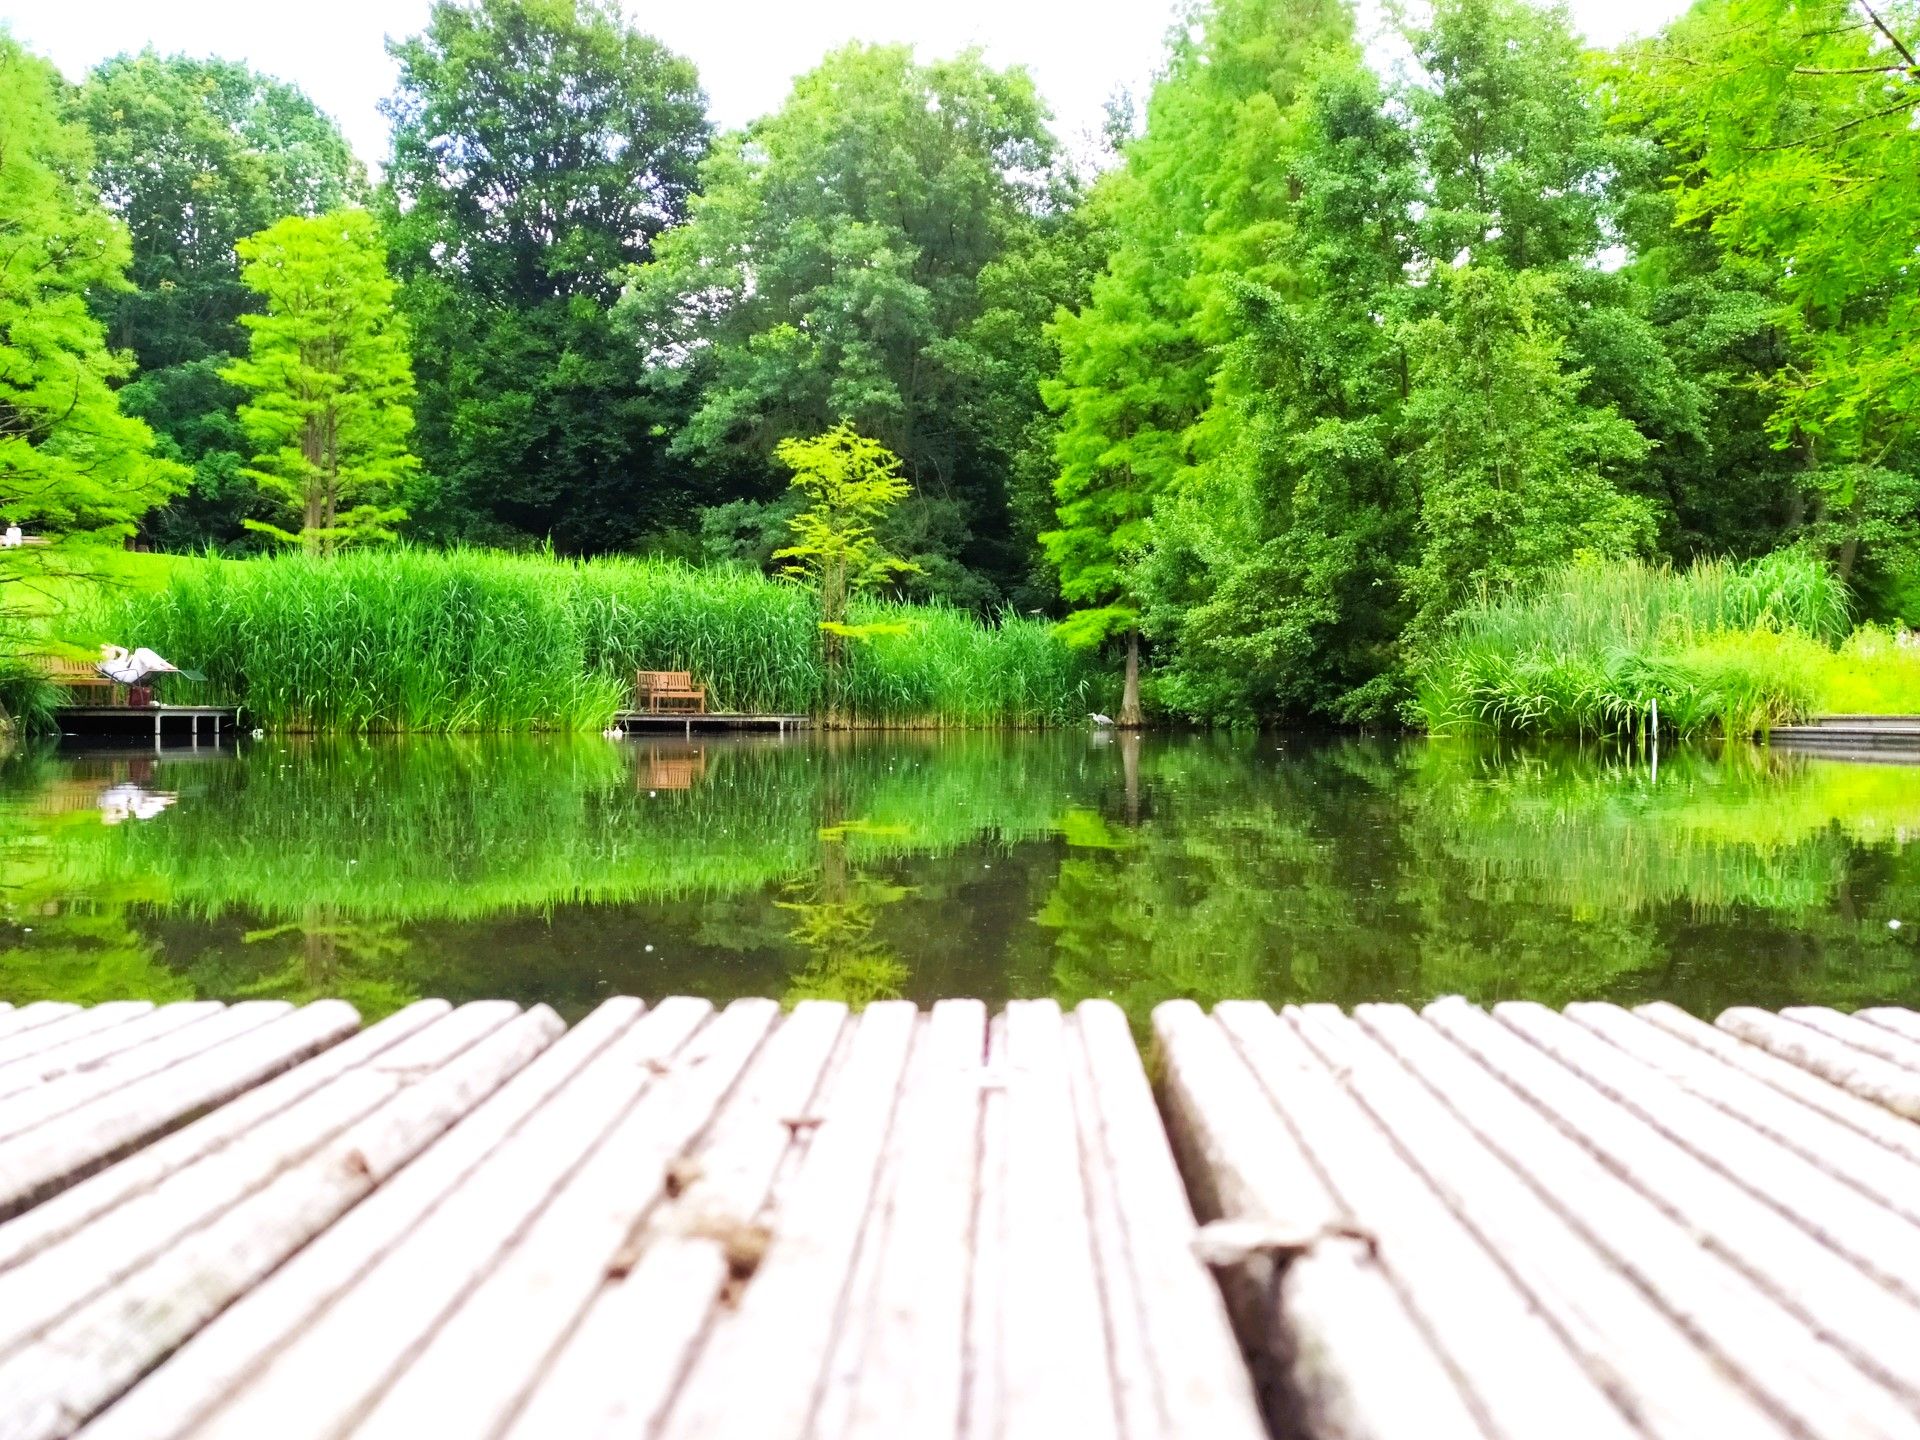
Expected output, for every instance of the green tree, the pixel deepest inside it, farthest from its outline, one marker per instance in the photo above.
(329, 378)
(71, 464)
(833, 268)
(539, 147)
(850, 483)
(192, 155)
(1200, 204)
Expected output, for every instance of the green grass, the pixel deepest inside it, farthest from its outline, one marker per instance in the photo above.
(1722, 647)
(401, 639)
(1872, 674)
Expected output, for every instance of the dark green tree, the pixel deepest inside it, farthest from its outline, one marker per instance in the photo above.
(839, 265)
(539, 148)
(192, 155)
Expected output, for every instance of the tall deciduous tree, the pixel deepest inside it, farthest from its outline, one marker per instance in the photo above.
(1202, 203)
(193, 155)
(329, 379)
(539, 148)
(833, 269)
(71, 464)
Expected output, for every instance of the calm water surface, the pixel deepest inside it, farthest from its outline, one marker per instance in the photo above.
(859, 867)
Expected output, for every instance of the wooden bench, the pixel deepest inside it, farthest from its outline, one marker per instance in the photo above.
(661, 691)
(85, 684)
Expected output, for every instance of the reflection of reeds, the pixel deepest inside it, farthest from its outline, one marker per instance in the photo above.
(1723, 647)
(472, 640)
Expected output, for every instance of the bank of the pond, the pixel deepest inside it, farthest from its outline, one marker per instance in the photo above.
(1720, 648)
(402, 639)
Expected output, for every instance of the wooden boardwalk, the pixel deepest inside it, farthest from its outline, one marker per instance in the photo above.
(1599, 1223)
(666, 1221)
(259, 1220)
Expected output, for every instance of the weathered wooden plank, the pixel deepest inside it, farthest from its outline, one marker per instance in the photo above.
(1870, 1168)
(16, 1023)
(1648, 1365)
(614, 1374)
(1852, 1070)
(50, 1386)
(476, 1368)
(66, 1212)
(1892, 1017)
(759, 1371)
(1848, 1109)
(900, 1369)
(52, 1282)
(1525, 1380)
(1349, 1361)
(1839, 1301)
(1882, 1243)
(1186, 1342)
(172, 1038)
(1876, 1040)
(48, 1051)
(983, 1393)
(50, 1157)
(1774, 1352)
(521, 1134)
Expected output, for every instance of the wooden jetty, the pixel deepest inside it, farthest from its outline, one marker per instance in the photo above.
(674, 1221)
(160, 720)
(637, 721)
(1855, 737)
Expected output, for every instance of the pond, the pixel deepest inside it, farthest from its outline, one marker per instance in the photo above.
(924, 865)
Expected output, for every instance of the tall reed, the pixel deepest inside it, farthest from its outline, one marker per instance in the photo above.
(1722, 646)
(403, 639)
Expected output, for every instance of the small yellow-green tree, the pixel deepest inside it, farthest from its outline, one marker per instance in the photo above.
(850, 483)
(330, 378)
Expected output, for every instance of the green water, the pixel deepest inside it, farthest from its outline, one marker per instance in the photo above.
(857, 867)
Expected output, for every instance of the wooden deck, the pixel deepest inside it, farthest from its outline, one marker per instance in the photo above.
(638, 721)
(1887, 738)
(671, 1221)
(191, 723)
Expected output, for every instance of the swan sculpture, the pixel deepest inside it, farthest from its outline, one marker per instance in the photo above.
(130, 667)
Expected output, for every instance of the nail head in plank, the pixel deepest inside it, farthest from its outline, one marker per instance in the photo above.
(759, 1373)
(1349, 1361)
(478, 1366)
(614, 1374)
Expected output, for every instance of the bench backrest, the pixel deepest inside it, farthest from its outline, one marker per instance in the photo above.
(664, 682)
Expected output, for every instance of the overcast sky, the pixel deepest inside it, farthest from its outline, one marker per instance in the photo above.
(748, 51)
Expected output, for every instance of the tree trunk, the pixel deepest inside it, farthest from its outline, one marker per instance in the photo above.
(1130, 692)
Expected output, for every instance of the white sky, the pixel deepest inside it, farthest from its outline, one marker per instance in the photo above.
(748, 51)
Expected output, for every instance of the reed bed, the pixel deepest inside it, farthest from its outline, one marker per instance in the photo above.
(1722, 647)
(416, 640)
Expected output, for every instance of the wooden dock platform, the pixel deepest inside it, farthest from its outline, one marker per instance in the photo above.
(638, 721)
(259, 1220)
(198, 721)
(1885, 738)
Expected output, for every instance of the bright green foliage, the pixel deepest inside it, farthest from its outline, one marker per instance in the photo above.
(1786, 127)
(1511, 469)
(330, 380)
(539, 148)
(1203, 203)
(850, 483)
(193, 155)
(1727, 648)
(836, 266)
(72, 467)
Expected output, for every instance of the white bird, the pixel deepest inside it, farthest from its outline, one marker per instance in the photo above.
(1103, 721)
(130, 668)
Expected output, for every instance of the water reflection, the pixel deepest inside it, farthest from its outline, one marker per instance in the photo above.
(861, 867)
